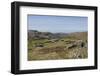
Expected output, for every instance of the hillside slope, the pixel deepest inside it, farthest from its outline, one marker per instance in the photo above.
(49, 46)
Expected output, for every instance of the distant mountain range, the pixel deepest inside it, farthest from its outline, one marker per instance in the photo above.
(34, 34)
(41, 35)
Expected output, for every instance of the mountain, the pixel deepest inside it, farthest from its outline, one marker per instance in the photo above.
(34, 34)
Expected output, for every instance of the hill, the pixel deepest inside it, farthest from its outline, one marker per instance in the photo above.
(49, 46)
(44, 35)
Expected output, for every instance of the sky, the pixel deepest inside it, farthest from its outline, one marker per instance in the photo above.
(55, 24)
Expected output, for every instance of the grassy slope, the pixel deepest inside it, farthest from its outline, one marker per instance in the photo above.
(58, 49)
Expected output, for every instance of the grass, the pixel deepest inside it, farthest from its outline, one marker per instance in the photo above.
(49, 49)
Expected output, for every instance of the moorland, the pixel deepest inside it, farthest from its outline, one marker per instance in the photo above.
(51, 46)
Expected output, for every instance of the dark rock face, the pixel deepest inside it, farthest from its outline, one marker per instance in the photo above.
(82, 44)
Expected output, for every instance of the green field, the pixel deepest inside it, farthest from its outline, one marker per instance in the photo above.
(72, 46)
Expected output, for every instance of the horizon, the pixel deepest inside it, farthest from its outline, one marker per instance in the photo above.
(57, 24)
(58, 32)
